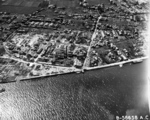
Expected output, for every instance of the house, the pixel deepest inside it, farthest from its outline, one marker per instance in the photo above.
(78, 63)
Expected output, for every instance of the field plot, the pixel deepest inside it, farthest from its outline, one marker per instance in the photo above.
(96, 2)
(35, 4)
(27, 4)
(18, 3)
(22, 3)
(65, 3)
(11, 69)
(74, 3)
(7, 2)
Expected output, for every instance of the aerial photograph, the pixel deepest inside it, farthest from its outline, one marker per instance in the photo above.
(74, 60)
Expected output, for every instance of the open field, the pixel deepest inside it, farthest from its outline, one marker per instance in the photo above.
(29, 6)
(64, 3)
(22, 3)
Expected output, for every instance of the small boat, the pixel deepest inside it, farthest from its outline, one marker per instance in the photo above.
(120, 65)
(2, 90)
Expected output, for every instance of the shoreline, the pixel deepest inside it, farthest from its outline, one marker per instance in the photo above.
(136, 60)
(120, 64)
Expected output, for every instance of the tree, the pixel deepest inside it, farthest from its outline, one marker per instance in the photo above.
(68, 63)
(2, 50)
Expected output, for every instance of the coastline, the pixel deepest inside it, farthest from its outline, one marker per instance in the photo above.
(118, 63)
(137, 60)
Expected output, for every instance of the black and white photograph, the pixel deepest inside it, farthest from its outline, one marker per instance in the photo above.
(74, 60)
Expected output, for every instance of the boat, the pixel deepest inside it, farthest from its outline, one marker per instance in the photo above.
(120, 65)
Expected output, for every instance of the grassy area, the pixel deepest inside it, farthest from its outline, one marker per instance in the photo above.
(19, 10)
(29, 6)
(74, 3)
(27, 3)
(18, 6)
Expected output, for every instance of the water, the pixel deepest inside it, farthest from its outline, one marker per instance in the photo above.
(93, 95)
